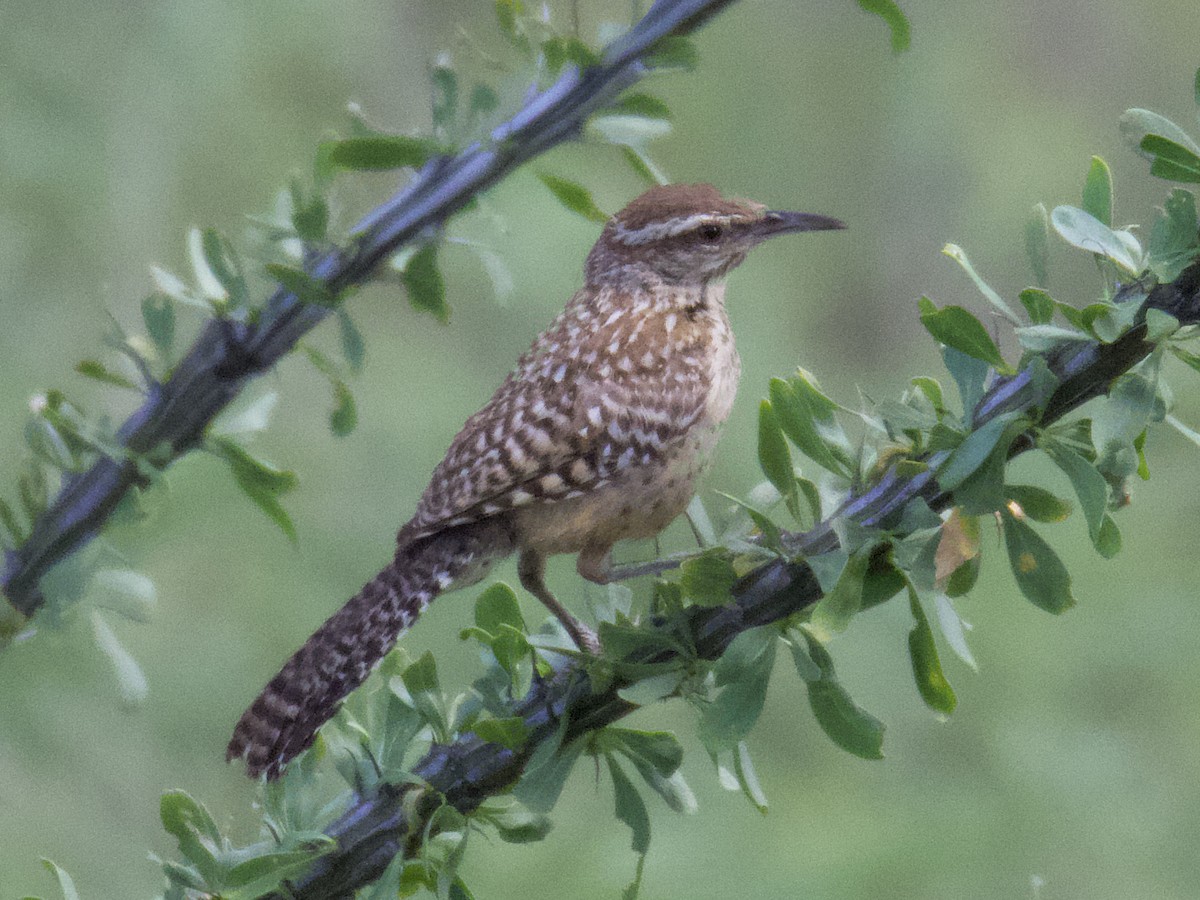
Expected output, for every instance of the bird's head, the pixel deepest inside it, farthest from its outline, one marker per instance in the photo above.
(688, 234)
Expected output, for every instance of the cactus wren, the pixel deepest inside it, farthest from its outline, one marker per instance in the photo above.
(598, 435)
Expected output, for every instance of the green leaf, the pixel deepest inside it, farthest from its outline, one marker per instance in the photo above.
(305, 288)
(1098, 192)
(807, 418)
(508, 732)
(1038, 304)
(707, 579)
(629, 131)
(957, 254)
(544, 776)
(932, 391)
(630, 807)
(498, 606)
(1037, 244)
(644, 105)
(660, 749)
(1040, 338)
(770, 531)
(833, 612)
(743, 767)
(507, 12)
(483, 100)
(66, 886)
(423, 281)
(310, 215)
(1171, 160)
(445, 96)
(956, 327)
(1132, 404)
(381, 152)
(223, 263)
(969, 376)
(673, 52)
(159, 315)
(259, 480)
(951, 626)
(1082, 230)
(574, 196)
(891, 13)
(1160, 325)
(1108, 542)
(33, 490)
(643, 166)
(1174, 242)
(131, 681)
(1038, 503)
(774, 458)
(1136, 124)
(931, 681)
(191, 825)
(645, 691)
(420, 680)
(973, 452)
(344, 417)
(250, 418)
(520, 826)
(656, 755)
(846, 724)
(264, 873)
(1090, 486)
(353, 347)
(9, 519)
(124, 591)
(1190, 359)
(90, 368)
(1040, 574)
(742, 673)
(558, 51)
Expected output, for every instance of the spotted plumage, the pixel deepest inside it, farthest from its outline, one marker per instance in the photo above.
(598, 435)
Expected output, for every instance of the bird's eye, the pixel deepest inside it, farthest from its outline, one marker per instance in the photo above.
(710, 232)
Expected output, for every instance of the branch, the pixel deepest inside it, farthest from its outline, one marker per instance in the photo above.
(463, 774)
(227, 355)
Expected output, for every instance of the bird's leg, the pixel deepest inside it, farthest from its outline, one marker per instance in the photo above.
(531, 569)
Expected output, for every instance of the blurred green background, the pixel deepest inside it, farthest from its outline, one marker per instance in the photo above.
(1072, 759)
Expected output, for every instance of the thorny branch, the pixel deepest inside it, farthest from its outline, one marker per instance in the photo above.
(466, 772)
(227, 355)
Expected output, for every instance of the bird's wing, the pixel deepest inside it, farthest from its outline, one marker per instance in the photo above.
(563, 424)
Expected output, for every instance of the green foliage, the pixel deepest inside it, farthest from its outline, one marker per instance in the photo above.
(214, 865)
(891, 13)
(66, 885)
(1037, 245)
(574, 196)
(956, 327)
(378, 153)
(927, 667)
(261, 481)
(847, 725)
(424, 283)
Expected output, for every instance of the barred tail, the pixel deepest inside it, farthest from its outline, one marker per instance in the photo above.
(283, 720)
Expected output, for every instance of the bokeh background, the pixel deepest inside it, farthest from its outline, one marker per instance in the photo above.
(1072, 761)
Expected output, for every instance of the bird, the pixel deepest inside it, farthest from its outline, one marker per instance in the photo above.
(599, 434)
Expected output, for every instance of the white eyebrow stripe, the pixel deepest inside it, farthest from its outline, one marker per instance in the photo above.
(653, 231)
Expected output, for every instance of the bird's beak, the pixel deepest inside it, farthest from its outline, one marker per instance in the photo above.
(776, 222)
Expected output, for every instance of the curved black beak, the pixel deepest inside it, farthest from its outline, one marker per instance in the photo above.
(777, 221)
